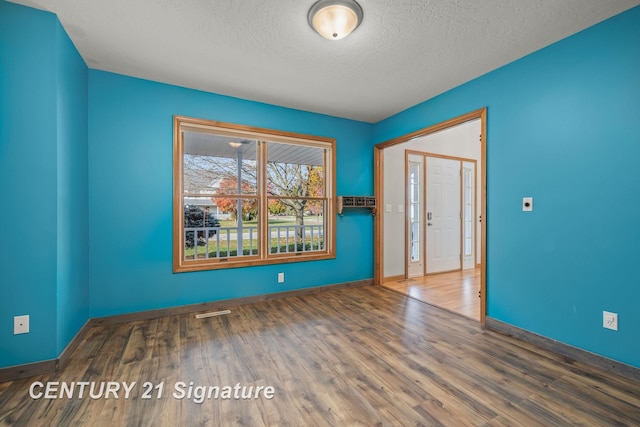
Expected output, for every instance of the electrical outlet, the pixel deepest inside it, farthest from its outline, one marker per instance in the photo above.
(610, 320)
(280, 277)
(527, 204)
(21, 324)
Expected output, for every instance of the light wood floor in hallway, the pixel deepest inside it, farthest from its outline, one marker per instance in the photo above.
(456, 291)
(346, 357)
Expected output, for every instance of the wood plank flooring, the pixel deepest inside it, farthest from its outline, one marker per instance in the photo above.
(348, 357)
(456, 291)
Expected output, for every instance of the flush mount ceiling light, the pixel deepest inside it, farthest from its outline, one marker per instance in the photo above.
(335, 19)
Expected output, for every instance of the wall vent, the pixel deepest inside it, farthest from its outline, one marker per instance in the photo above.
(212, 314)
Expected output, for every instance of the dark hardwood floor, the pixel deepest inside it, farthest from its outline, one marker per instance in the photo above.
(361, 356)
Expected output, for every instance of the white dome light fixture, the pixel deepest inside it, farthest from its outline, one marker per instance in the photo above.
(335, 19)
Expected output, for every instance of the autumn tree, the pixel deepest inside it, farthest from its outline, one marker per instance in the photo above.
(229, 185)
(276, 208)
(316, 184)
(291, 182)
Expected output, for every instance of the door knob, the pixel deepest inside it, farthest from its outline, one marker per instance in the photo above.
(429, 224)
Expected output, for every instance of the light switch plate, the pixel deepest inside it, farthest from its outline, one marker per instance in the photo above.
(527, 204)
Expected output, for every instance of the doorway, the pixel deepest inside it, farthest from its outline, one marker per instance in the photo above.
(430, 230)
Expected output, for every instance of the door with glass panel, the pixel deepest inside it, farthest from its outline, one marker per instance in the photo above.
(415, 220)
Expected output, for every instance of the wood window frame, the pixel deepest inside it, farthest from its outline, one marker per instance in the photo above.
(263, 135)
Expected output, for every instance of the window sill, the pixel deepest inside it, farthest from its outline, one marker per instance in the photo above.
(204, 265)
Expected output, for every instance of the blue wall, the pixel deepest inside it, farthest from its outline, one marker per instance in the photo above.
(130, 202)
(41, 131)
(73, 203)
(563, 127)
(28, 218)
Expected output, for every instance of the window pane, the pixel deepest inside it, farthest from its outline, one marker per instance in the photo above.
(216, 164)
(414, 182)
(296, 225)
(211, 236)
(467, 213)
(415, 212)
(244, 225)
(415, 242)
(295, 170)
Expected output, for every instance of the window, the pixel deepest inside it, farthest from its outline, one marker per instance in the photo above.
(414, 210)
(250, 196)
(468, 210)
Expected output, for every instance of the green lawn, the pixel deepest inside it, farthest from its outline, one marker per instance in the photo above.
(280, 220)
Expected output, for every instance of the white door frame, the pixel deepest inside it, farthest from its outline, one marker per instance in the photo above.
(423, 197)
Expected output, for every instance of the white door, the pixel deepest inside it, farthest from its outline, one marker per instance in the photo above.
(443, 215)
(414, 208)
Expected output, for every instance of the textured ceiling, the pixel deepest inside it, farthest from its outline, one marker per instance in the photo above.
(403, 53)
